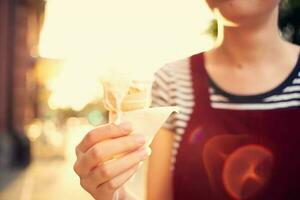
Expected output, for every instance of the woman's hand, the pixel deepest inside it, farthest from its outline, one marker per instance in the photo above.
(107, 157)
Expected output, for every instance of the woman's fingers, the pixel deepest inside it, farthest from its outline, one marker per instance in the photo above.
(107, 157)
(101, 133)
(109, 170)
(105, 151)
(114, 184)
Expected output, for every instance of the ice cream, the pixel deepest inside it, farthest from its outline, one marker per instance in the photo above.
(126, 95)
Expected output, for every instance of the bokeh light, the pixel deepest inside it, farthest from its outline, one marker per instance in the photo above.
(96, 36)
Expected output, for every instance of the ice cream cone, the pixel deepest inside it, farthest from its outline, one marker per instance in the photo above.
(136, 96)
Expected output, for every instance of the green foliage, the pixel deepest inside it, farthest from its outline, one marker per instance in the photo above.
(213, 28)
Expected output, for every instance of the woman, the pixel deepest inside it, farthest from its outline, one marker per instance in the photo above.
(236, 136)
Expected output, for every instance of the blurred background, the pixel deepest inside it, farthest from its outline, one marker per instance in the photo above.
(53, 55)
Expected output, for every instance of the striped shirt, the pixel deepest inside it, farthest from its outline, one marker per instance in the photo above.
(173, 87)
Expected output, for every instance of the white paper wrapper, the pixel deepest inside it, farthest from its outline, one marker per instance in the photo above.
(146, 122)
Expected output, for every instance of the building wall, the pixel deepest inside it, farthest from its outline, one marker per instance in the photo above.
(20, 23)
(4, 23)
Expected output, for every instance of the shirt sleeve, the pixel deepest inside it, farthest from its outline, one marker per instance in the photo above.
(163, 94)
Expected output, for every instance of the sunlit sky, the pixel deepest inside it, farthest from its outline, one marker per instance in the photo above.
(131, 35)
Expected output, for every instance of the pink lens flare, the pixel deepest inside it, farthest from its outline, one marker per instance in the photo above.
(237, 165)
(247, 170)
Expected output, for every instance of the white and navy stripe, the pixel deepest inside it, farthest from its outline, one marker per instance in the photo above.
(286, 95)
(173, 86)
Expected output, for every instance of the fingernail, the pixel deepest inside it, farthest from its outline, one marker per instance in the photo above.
(126, 126)
(140, 164)
(149, 151)
(140, 139)
(143, 153)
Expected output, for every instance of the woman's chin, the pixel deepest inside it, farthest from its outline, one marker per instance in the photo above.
(244, 19)
(237, 12)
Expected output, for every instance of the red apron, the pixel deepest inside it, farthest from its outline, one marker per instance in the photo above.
(237, 154)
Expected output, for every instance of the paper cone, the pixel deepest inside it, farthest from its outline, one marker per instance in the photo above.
(148, 121)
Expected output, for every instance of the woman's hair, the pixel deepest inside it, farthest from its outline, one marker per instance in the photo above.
(289, 20)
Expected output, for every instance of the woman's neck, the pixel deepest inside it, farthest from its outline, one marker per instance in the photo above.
(254, 43)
